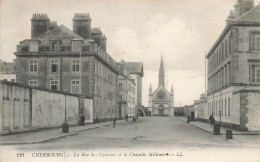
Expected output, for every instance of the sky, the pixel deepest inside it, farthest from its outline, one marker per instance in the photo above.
(137, 31)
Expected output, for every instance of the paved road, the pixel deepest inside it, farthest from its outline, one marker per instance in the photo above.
(150, 134)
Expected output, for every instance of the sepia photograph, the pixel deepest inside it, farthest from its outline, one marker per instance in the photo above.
(129, 80)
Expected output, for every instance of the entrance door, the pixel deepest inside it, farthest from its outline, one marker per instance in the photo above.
(161, 110)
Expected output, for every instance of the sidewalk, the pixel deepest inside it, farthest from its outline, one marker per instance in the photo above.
(51, 134)
(209, 128)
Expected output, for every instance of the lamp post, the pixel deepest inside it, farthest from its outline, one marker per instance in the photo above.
(65, 126)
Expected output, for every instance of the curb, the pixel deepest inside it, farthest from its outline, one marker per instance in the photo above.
(72, 133)
(250, 133)
(40, 141)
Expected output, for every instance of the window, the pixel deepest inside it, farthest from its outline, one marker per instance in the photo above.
(33, 66)
(255, 73)
(120, 97)
(225, 107)
(75, 65)
(54, 66)
(54, 84)
(255, 40)
(76, 46)
(33, 46)
(75, 86)
(228, 106)
(120, 86)
(33, 82)
(55, 46)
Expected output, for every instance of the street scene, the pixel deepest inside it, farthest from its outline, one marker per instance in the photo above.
(118, 81)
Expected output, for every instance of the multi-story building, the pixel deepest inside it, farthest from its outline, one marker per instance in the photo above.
(127, 96)
(76, 61)
(7, 71)
(136, 73)
(234, 69)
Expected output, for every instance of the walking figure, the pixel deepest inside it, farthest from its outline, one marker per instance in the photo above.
(114, 121)
(82, 120)
(126, 117)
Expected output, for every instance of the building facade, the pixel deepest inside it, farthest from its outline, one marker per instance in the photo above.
(137, 73)
(75, 61)
(127, 96)
(161, 101)
(234, 69)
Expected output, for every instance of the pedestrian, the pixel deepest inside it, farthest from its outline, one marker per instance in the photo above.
(126, 117)
(82, 120)
(211, 120)
(114, 122)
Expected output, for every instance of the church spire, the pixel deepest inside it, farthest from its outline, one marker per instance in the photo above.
(161, 74)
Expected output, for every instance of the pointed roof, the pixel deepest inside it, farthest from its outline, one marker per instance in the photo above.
(59, 33)
(161, 71)
(172, 86)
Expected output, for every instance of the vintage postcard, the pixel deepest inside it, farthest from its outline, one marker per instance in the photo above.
(129, 80)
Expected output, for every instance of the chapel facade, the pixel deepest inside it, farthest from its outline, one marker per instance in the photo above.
(161, 101)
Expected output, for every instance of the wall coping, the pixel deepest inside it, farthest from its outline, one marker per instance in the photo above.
(42, 89)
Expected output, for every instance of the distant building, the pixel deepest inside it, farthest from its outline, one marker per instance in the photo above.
(234, 70)
(76, 61)
(200, 108)
(127, 96)
(161, 101)
(7, 71)
(189, 111)
(136, 73)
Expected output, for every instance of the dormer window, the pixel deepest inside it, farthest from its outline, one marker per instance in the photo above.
(76, 46)
(33, 46)
(55, 46)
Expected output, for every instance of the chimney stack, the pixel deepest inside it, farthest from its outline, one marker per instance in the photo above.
(82, 25)
(39, 24)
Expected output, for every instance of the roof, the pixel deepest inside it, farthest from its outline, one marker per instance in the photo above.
(135, 67)
(59, 33)
(7, 67)
(251, 17)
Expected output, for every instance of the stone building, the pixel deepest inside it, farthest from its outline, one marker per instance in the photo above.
(161, 101)
(7, 71)
(137, 73)
(127, 96)
(234, 69)
(75, 61)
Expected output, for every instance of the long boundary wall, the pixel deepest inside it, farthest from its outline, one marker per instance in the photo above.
(25, 108)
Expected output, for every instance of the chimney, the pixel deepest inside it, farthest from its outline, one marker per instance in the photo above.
(82, 25)
(52, 25)
(39, 24)
(242, 6)
(231, 17)
(96, 34)
(247, 5)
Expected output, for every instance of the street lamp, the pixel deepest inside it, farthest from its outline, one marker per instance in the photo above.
(65, 126)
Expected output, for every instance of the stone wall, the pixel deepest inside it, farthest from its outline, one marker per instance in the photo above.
(24, 108)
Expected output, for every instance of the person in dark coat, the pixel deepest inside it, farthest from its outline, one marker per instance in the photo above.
(126, 117)
(82, 120)
(114, 122)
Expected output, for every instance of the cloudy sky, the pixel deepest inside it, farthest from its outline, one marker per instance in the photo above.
(182, 30)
